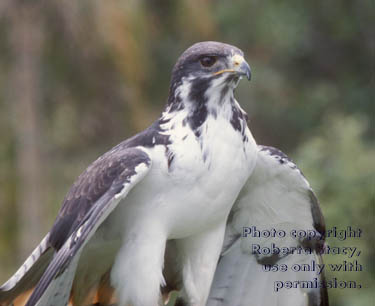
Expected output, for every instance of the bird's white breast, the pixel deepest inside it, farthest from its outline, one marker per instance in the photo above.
(197, 187)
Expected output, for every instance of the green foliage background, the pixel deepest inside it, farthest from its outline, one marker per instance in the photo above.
(102, 72)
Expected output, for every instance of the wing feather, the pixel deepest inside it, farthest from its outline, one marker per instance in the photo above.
(276, 196)
(28, 275)
(55, 285)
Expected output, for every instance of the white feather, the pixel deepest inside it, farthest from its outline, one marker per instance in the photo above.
(276, 196)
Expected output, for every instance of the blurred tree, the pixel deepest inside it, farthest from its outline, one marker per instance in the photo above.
(26, 41)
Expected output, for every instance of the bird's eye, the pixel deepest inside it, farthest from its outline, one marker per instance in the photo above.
(208, 61)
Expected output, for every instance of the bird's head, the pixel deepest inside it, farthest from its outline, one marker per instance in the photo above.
(205, 66)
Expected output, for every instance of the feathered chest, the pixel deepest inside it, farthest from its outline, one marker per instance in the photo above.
(217, 151)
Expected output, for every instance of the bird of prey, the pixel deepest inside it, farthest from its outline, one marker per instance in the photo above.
(151, 215)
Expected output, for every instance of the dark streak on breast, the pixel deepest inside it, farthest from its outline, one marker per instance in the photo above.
(205, 155)
(236, 118)
(170, 156)
(239, 120)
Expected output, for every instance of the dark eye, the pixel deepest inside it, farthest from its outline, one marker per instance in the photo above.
(208, 61)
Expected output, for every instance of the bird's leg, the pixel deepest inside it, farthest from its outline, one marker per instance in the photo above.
(137, 272)
(199, 256)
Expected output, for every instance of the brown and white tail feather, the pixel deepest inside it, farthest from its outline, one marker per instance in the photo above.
(19, 286)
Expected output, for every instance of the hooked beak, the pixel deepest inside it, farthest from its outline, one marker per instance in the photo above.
(241, 66)
(238, 66)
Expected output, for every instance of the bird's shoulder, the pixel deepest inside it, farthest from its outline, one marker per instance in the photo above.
(96, 180)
